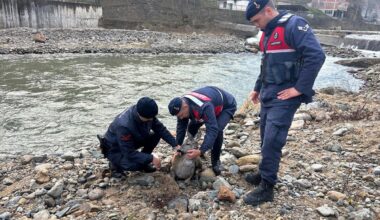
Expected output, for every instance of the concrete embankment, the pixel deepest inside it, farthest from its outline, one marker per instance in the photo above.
(366, 40)
(50, 13)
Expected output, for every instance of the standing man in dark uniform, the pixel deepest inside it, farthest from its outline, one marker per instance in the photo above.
(211, 106)
(291, 60)
(134, 128)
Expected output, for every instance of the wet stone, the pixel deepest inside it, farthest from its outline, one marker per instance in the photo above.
(26, 159)
(39, 158)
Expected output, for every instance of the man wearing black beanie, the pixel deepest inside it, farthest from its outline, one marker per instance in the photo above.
(132, 129)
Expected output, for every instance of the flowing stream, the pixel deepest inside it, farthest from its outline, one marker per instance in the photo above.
(53, 103)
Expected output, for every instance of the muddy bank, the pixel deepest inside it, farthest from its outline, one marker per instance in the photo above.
(20, 41)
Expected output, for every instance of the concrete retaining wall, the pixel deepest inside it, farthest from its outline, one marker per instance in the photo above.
(49, 14)
(334, 40)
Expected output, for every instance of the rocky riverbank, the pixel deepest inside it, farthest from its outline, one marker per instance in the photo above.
(330, 168)
(24, 41)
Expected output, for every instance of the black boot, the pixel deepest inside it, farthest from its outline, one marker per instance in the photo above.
(253, 178)
(217, 167)
(116, 172)
(149, 169)
(263, 193)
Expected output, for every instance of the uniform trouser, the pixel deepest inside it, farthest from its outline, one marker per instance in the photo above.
(222, 120)
(275, 122)
(122, 163)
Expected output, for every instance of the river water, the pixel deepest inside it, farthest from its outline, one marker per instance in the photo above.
(53, 103)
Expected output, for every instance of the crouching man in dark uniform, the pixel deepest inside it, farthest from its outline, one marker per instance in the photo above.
(134, 128)
(291, 60)
(211, 106)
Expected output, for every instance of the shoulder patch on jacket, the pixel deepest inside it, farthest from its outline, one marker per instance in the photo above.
(127, 137)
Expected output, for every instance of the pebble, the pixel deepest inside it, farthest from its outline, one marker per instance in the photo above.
(194, 205)
(248, 168)
(229, 132)
(5, 216)
(303, 183)
(26, 159)
(333, 148)
(179, 204)
(326, 211)
(42, 215)
(297, 125)
(376, 171)
(317, 167)
(233, 169)
(220, 181)
(341, 132)
(7, 181)
(238, 152)
(95, 194)
(335, 196)
(250, 159)
(57, 189)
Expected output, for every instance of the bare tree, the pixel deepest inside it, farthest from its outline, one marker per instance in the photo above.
(354, 9)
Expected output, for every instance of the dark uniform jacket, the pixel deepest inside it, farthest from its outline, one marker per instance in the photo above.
(127, 133)
(292, 57)
(213, 102)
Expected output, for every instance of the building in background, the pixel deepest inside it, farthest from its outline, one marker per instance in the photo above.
(333, 8)
(237, 5)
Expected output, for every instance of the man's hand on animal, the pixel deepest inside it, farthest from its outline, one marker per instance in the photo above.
(193, 153)
(254, 96)
(288, 94)
(156, 162)
(176, 152)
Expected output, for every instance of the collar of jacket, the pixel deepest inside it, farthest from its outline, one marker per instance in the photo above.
(136, 115)
(273, 23)
(188, 102)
